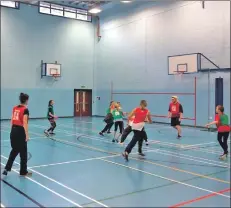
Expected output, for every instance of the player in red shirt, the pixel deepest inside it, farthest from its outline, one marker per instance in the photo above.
(175, 112)
(223, 128)
(19, 136)
(141, 115)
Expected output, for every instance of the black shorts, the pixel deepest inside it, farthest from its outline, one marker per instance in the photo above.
(175, 121)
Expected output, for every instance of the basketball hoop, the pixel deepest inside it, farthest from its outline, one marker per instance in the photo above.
(55, 76)
(179, 75)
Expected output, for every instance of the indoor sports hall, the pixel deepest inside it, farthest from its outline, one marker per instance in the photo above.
(62, 65)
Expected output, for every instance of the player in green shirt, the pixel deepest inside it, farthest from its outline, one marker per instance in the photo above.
(51, 117)
(118, 119)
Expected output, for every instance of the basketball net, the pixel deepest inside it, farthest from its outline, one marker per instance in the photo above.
(179, 75)
(55, 77)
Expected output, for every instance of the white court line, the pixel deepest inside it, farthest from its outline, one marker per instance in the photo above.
(200, 161)
(216, 162)
(34, 138)
(73, 161)
(163, 153)
(89, 159)
(201, 144)
(168, 179)
(92, 137)
(81, 194)
(61, 196)
(195, 157)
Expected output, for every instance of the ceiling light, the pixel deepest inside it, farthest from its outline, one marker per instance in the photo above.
(126, 1)
(95, 10)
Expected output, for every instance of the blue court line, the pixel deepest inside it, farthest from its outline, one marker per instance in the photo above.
(54, 192)
(64, 186)
(22, 193)
(169, 179)
(147, 189)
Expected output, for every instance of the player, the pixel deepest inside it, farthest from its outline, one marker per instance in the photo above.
(118, 119)
(175, 112)
(141, 114)
(128, 130)
(109, 119)
(19, 136)
(222, 123)
(51, 117)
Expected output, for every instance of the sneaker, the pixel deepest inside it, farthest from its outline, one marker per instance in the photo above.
(125, 155)
(179, 136)
(52, 133)
(108, 132)
(46, 133)
(4, 172)
(223, 157)
(28, 174)
(147, 143)
(141, 154)
(101, 133)
(113, 140)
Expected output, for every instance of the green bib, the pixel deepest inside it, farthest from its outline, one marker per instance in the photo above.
(224, 119)
(117, 114)
(108, 111)
(50, 110)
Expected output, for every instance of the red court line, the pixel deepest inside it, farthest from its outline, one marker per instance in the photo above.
(200, 198)
(152, 93)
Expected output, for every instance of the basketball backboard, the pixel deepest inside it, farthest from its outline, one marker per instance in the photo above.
(51, 70)
(186, 63)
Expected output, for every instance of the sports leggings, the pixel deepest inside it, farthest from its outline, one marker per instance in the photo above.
(53, 124)
(222, 138)
(138, 137)
(119, 124)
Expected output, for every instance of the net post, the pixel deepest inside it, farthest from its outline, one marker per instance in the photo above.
(195, 101)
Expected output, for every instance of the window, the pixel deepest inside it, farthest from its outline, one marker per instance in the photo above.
(62, 11)
(11, 4)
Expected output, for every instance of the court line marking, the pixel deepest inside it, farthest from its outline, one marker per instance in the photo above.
(22, 193)
(216, 162)
(200, 161)
(153, 141)
(176, 145)
(190, 156)
(76, 161)
(199, 198)
(163, 152)
(51, 179)
(192, 173)
(54, 192)
(200, 144)
(162, 177)
(183, 171)
(68, 132)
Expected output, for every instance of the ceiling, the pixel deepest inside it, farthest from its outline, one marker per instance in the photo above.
(77, 4)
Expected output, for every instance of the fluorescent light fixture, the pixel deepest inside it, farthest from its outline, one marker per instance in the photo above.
(126, 2)
(95, 10)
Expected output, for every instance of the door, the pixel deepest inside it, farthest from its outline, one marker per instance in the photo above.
(82, 103)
